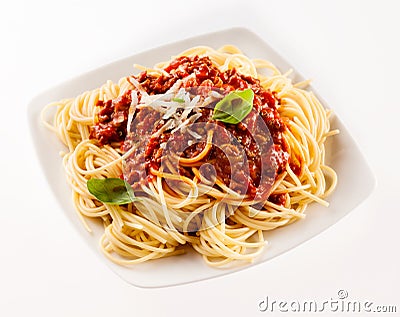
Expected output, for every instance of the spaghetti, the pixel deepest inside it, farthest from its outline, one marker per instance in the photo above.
(206, 182)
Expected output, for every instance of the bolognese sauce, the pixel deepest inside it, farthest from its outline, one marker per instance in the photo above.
(202, 76)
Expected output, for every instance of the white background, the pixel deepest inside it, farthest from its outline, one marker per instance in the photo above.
(351, 51)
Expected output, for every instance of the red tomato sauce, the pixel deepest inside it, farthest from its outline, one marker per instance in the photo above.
(265, 157)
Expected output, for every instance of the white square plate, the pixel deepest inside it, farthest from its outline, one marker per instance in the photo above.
(342, 154)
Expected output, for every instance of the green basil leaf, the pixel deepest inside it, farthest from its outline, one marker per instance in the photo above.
(234, 107)
(113, 191)
(180, 100)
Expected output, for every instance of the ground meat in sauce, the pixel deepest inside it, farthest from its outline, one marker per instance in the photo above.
(112, 119)
(113, 114)
(278, 199)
